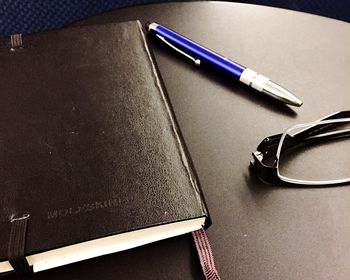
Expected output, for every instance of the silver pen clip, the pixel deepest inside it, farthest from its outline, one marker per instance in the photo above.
(196, 61)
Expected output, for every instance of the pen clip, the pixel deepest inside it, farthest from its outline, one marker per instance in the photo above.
(197, 62)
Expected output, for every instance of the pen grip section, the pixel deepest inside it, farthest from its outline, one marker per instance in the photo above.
(254, 79)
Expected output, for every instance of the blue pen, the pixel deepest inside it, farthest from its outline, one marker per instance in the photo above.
(199, 54)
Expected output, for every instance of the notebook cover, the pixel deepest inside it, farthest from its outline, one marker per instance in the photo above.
(89, 144)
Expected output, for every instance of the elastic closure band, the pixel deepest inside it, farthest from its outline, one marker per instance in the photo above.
(16, 245)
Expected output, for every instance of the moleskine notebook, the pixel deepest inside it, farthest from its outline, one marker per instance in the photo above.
(92, 161)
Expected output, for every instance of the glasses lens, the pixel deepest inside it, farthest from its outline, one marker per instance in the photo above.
(316, 153)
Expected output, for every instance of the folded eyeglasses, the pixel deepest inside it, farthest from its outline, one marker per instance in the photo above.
(316, 153)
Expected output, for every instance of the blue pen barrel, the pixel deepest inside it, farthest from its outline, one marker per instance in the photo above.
(205, 55)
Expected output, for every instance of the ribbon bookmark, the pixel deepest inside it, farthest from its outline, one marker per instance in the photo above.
(205, 255)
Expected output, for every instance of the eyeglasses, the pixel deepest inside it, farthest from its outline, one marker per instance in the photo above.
(316, 153)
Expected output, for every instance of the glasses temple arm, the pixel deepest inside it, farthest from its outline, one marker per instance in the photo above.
(317, 128)
(329, 135)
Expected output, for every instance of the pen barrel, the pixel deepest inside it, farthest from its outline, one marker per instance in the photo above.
(205, 55)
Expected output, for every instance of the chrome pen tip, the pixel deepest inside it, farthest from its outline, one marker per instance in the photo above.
(268, 87)
(278, 92)
(298, 103)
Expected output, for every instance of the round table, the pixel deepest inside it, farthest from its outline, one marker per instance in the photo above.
(259, 231)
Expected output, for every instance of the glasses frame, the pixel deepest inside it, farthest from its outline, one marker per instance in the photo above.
(265, 160)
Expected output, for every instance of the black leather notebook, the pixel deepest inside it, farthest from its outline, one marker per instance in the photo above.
(92, 160)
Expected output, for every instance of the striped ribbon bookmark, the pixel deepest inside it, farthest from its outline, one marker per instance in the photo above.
(205, 255)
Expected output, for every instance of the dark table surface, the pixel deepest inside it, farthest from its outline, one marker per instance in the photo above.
(258, 231)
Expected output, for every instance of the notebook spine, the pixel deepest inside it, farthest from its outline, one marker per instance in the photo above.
(182, 148)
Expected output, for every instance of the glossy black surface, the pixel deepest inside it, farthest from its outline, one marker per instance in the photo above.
(258, 231)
